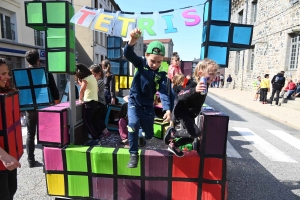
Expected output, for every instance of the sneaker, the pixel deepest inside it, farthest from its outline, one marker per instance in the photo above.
(177, 152)
(141, 141)
(169, 135)
(134, 160)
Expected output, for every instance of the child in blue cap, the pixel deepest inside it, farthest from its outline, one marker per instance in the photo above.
(148, 79)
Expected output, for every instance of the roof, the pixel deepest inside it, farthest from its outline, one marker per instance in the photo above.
(161, 40)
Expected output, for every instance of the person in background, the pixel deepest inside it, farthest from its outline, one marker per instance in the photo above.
(177, 82)
(109, 82)
(256, 87)
(33, 59)
(148, 79)
(101, 108)
(290, 88)
(278, 82)
(8, 179)
(228, 81)
(221, 81)
(265, 88)
(297, 93)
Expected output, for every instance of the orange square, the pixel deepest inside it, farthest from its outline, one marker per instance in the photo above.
(213, 168)
(184, 190)
(187, 166)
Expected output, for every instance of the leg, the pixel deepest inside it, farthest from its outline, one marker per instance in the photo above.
(8, 184)
(31, 119)
(88, 114)
(277, 96)
(272, 95)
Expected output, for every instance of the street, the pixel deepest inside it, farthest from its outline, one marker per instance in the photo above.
(263, 159)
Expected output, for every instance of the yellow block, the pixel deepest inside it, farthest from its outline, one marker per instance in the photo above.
(56, 184)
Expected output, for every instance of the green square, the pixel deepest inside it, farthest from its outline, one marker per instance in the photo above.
(57, 61)
(159, 129)
(78, 185)
(56, 37)
(122, 160)
(71, 12)
(56, 12)
(76, 158)
(72, 39)
(102, 160)
(34, 13)
(72, 62)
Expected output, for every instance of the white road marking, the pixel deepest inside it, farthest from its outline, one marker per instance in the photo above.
(263, 146)
(231, 152)
(287, 138)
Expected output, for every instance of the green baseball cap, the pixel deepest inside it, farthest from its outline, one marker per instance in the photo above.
(157, 48)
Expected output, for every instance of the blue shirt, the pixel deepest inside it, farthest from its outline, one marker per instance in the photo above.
(147, 81)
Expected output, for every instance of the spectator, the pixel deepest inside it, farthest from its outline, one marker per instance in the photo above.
(290, 88)
(109, 81)
(278, 82)
(256, 87)
(222, 81)
(297, 93)
(228, 81)
(265, 88)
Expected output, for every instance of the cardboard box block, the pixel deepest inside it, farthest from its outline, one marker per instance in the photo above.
(79, 110)
(111, 115)
(53, 160)
(53, 128)
(159, 128)
(10, 126)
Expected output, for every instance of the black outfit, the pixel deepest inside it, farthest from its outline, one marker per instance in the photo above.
(109, 90)
(8, 184)
(278, 82)
(31, 119)
(186, 110)
(176, 89)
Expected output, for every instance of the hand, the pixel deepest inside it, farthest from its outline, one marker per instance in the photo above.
(167, 116)
(200, 87)
(81, 101)
(113, 101)
(135, 34)
(56, 101)
(10, 162)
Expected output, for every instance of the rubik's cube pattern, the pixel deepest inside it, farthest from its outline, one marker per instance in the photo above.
(54, 17)
(10, 126)
(219, 35)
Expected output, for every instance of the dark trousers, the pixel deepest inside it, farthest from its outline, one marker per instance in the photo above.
(31, 119)
(8, 185)
(100, 114)
(89, 110)
(107, 96)
(190, 131)
(277, 91)
(264, 94)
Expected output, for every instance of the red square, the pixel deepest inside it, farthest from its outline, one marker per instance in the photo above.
(213, 168)
(211, 191)
(9, 111)
(19, 141)
(1, 125)
(12, 144)
(187, 166)
(16, 108)
(184, 190)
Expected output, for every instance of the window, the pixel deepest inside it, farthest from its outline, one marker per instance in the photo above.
(240, 17)
(101, 36)
(7, 28)
(237, 62)
(38, 38)
(97, 59)
(100, 5)
(96, 37)
(96, 4)
(254, 11)
(102, 58)
(295, 49)
(252, 54)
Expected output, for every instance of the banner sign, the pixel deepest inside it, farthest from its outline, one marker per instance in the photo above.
(121, 23)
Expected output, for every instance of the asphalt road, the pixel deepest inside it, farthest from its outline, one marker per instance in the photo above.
(263, 159)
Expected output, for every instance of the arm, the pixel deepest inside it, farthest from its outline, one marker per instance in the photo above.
(8, 161)
(123, 128)
(112, 89)
(53, 89)
(82, 89)
(164, 97)
(128, 50)
(273, 79)
(188, 93)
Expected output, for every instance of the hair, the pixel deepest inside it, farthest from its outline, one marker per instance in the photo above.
(123, 112)
(175, 56)
(107, 65)
(203, 66)
(96, 68)
(178, 79)
(258, 77)
(82, 71)
(282, 72)
(32, 56)
(266, 75)
(7, 87)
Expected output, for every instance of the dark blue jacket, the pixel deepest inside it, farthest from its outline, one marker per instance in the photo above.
(147, 81)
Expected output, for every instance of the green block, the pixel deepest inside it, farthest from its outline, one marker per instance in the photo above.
(76, 158)
(122, 160)
(56, 37)
(159, 128)
(57, 61)
(78, 185)
(72, 39)
(34, 15)
(72, 62)
(71, 13)
(102, 160)
(56, 12)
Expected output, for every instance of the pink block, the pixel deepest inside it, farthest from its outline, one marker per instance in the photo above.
(53, 159)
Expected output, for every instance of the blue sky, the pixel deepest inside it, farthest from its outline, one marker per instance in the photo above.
(187, 40)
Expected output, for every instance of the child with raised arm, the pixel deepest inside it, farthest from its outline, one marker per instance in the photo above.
(148, 79)
(190, 101)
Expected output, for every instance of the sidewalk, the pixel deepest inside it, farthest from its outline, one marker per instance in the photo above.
(281, 114)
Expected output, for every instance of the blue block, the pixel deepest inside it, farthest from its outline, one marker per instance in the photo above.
(38, 76)
(242, 35)
(114, 53)
(221, 10)
(219, 33)
(109, 109)
(218, 54)
(114, 42)
(119, 67)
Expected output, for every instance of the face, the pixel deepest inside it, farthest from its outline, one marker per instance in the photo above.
(210, 74)
(175, 61)
(97, 76)
(4, 77)
(154, 61)
(259, 78)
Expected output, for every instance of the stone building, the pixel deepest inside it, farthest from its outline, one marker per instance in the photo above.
(275, 42)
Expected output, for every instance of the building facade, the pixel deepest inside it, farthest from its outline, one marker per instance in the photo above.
(91, 46)
(275, 42)
(168, 43)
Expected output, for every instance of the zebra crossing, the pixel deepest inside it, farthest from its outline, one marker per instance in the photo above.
(264, 147)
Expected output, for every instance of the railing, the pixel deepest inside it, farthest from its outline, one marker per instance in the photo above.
(8, 30)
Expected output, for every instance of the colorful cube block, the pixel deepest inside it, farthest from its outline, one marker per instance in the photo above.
(10, 125)
(159, 128)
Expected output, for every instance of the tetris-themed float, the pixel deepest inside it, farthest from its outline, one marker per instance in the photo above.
(10, 125)
(78, 171)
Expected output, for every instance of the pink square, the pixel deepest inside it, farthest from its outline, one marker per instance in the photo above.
(53, 159)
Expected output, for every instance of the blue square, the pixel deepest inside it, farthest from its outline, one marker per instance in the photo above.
(21, 78)
(42, 95)
(242, 35)
(219, 33)
(221, 10)
(113, 42)
(202, 53)
(218, 54)
(124, 68)
(206, 11)
(115, 67)
(38, 76)
(25, 97)
(204, 34)
(113, 53)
